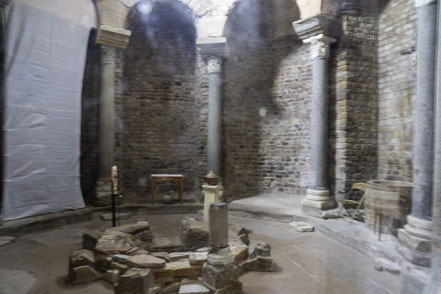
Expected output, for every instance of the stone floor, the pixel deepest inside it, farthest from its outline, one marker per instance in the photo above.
(306, 262)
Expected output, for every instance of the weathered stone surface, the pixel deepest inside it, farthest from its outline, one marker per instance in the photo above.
(241, 232)
(122, 258)
(218, 277)
(81, 257)
(218, 225)
(122, 268)
(259, 264)
(103, 262)
(84, 274)
(198, 258)
(154, 290)
(302, 226)
(134, 250)
(16, 282)
(131, 229)
(115, 242)
(140, 251)
(234, 288)
(5, 240)
(194, 234)
(111, 277)
(166, 244)
(259, 248)
(181, 269)
(176, 256)
(238, 249)
(383, 264)
(90, 239)
(163, 255)
(193, 289)
(135, 280)
(203, 249)
(173, 288)
(145, 261)
(107, 216)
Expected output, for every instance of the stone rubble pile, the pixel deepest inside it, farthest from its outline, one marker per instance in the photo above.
(133, 261)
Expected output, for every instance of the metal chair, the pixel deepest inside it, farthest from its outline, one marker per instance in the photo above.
(348, 201)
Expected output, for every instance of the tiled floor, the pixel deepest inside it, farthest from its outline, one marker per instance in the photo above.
(305, 262)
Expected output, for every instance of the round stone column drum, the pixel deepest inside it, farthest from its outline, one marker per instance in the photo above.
(389, 202)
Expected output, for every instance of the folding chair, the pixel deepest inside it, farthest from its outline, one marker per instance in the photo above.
(348, 201)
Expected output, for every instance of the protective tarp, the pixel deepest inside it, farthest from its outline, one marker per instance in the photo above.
(46, 45)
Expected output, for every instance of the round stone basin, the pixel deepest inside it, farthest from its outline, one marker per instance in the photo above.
(390, 201)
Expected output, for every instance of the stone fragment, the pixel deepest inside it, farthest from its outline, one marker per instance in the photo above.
(83, 274)
(166, 281)
(167, 244)
(111, 277)
(203, 249)
(163, 255)
(258, 248)
(90, 239)
(81, 257)
(193, 289)
(238, 249)
(141, 251)
(234, 288)
(241, 232)
(145, 261)
(176, 256)
(383, 264)
(133, 250)
(220, 276)
(135, 280)
(302, 226)
(114, 242)
(107, 216)
(5, 240)
(154, 290)
(122, 258)
(198, 258)
(122, 268)
(218, 225)
(173, 288)
(131, 229)
(258, 264)
(103, 262)
(180, 269)
(194, 234)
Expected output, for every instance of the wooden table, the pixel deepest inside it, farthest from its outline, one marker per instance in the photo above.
(168, 177)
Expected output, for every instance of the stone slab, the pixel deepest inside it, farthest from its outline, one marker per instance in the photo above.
(301, 226)
(181, 268)
(193, 289)
(145, 261)
(6, 240)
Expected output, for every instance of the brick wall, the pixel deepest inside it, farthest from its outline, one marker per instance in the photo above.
(158, 114)
(396, 87)
(353, 104)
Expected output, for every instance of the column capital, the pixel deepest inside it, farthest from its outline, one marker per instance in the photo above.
(216, 46)
(419, 3)
(114, 37)
(317, 25)
(214, 64)
(108, 54)
(319, 45)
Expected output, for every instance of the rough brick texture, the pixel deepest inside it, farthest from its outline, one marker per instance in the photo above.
(396, 86)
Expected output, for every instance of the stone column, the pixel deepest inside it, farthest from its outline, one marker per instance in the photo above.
(214, 142)
(317, 194)
(110, 39)
(417, 233)
(436, 205)
(213, 50)
(319, 32)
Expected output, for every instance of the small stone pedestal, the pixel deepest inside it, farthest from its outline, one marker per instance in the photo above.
(211, 194)
(316, 201)
(415, 241)
(103, 192)
(220, 273)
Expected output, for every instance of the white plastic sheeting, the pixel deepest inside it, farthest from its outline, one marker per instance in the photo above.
(46, 44)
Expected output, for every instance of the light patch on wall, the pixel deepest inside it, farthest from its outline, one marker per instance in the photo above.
(145, 7)
(262, 112)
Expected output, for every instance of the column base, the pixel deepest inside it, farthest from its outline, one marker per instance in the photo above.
(316, 201)
(221, 273)
(103, 192)
(415, 241)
